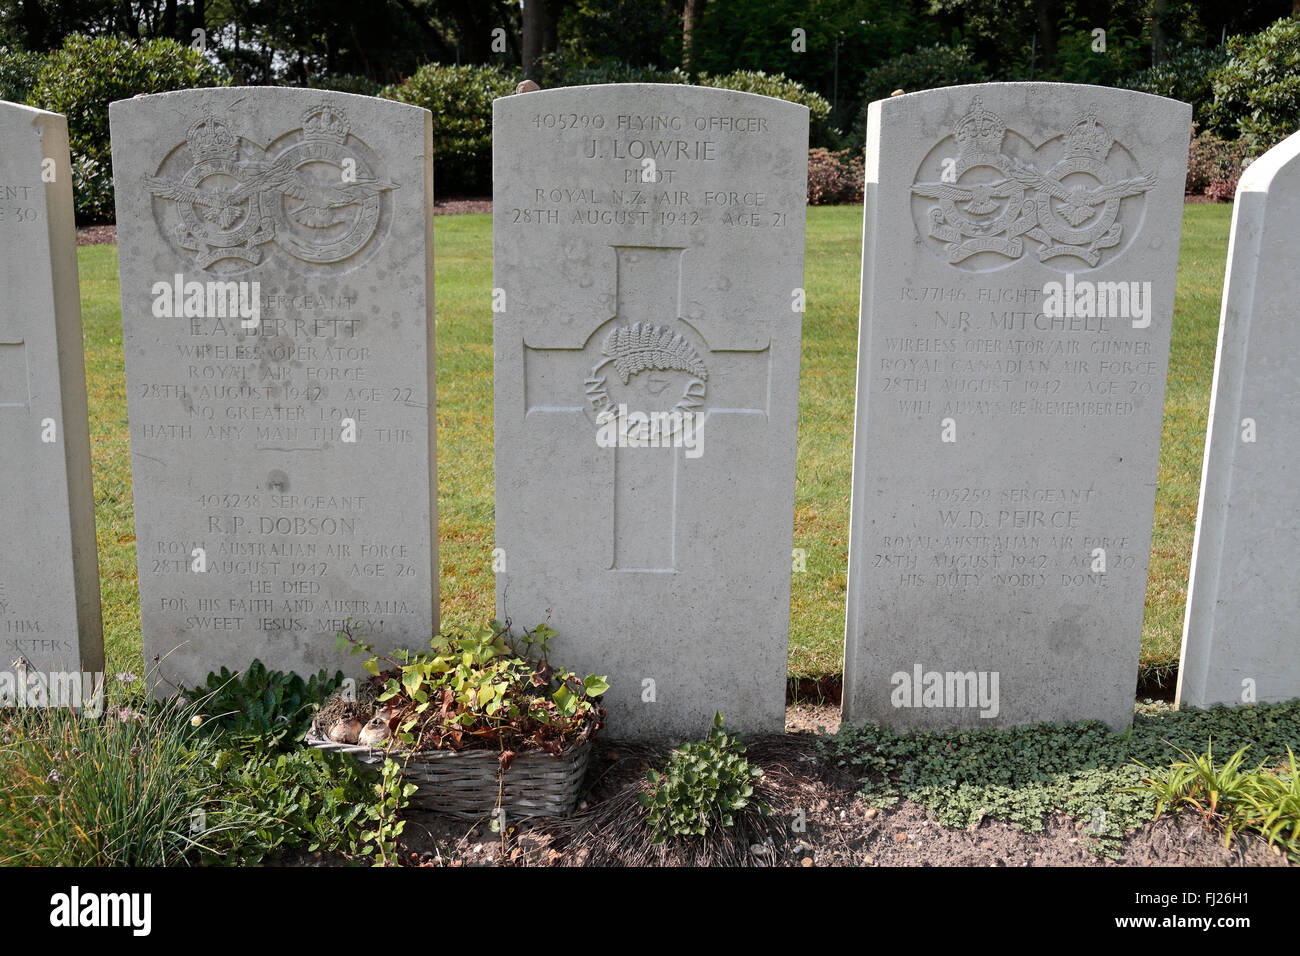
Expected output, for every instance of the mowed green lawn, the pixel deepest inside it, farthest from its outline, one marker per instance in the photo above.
(464, 283)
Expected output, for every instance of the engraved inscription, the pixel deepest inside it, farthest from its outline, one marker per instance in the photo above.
(18, 204)
(989, 350)
(654, 156)
(1006, 537)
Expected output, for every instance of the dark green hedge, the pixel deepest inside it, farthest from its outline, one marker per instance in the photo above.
(1257, 92)
(460, 98)
(83, 76)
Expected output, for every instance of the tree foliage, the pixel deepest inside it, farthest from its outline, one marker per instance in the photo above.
(1187, 74)
(84, 75)
(454, 55)
(1257, 92)
(460, 98)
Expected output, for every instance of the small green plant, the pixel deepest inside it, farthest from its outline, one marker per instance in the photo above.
(1194, 781)
(1271, 806)
(385, 814)
(705, 784)
(269, 708)
(305, 799)
(1263, 800)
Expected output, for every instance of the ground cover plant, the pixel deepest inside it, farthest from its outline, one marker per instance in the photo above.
(181, 782)
(1082, 769)
(703, 803)
(1054, 794)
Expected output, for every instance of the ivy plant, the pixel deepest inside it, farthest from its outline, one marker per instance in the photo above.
(483, 688)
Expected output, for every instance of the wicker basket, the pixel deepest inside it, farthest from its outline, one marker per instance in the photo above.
(465, 783)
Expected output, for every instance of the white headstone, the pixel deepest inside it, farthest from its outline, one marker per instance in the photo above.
(49, 572)
(1241, 637)
(277, 303)
(1018, 275)
(648, 260)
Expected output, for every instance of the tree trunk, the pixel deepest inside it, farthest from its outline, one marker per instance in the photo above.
(1047, 16)
(129, 23)
(551, 26)
(34, 25)
(534, 15)
(198, 19)
(690, 17)
(169, 21)
(1158, 36)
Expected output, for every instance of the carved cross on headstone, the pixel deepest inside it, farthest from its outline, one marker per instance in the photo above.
(651, 361)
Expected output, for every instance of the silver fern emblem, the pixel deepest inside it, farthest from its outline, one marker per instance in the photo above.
(641, 345)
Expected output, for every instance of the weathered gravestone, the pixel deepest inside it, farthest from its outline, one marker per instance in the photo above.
(277, 306)
(1018, 274)
(649, 259)
(1241, 638)
(49, 573)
